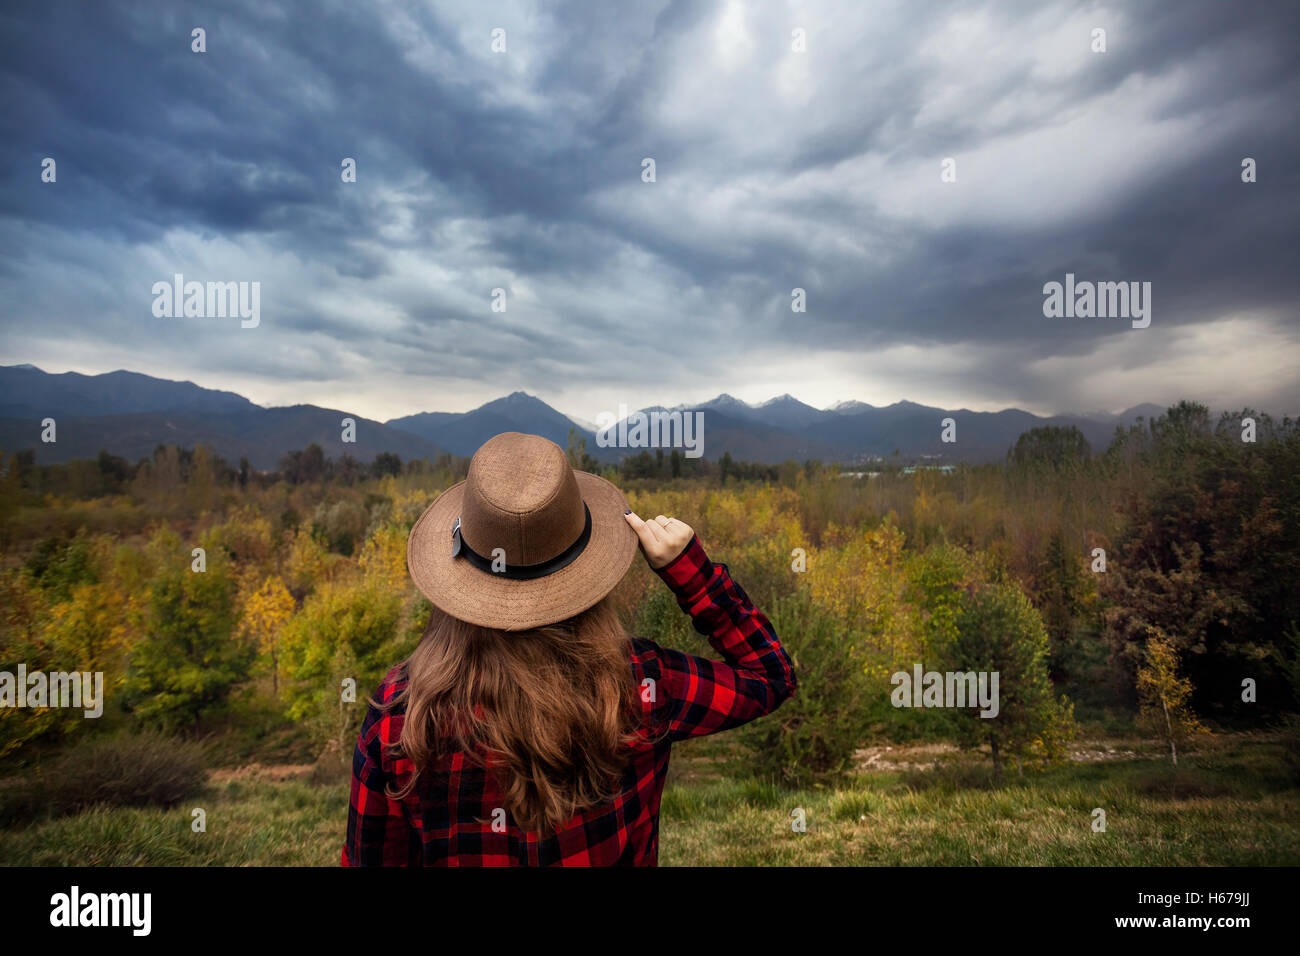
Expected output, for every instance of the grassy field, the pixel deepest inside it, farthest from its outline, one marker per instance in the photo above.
(1235, 801)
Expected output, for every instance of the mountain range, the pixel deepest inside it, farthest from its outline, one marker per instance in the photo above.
(129, 414)
(785, 428)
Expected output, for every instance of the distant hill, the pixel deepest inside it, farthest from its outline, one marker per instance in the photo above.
(851, 432)
(129, 414)
(26, 391)
(461, 433)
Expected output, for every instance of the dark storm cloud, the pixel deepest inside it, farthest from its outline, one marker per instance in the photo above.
(775, 170)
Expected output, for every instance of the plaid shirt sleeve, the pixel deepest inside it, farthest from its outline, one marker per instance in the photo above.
(756, 674)
(379, 833)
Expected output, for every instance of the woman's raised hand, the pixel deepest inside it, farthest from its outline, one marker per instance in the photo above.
(661, 539)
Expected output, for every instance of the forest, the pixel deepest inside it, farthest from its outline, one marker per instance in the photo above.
(1144, 592)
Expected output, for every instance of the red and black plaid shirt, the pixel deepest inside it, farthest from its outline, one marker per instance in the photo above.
(447, 819)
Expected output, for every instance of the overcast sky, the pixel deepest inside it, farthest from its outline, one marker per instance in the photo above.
(775, 168)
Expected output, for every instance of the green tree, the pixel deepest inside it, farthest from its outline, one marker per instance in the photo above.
(640, 465)
(815, 732)
(726, 467)
(334, 722)
(188, 660)
(365, 617)
(577, 453)
(1211, 541)
(349, 471)
(998, 631)
(59, 566)
(386, 463)
(305, 465)
(1050, 445)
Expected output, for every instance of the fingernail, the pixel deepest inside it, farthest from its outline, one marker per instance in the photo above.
(628, 512)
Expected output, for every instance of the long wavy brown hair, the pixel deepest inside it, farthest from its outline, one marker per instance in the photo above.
(550, 710)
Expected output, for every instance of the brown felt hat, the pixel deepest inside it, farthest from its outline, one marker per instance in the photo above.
(524, 540)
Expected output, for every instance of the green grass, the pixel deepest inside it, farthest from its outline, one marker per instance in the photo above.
(1044, 824)
(293, 823)
(1234, 803)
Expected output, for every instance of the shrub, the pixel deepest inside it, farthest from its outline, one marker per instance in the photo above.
(815, 732)
(138, 770)
(341, 523)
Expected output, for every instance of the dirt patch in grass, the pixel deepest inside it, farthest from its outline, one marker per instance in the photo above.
(892, 758)
(906, 758)
(255, 771)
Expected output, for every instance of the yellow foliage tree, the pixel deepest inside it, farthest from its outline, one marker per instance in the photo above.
(383, 558)
(307, 564)
(1165, 696)
(247, 535)
(92, 628)
(860, 580)
(265, 613)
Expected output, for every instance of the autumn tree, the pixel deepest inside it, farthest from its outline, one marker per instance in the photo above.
(307, 563)
(1165, 697)
(266, 612)
(23, 607)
